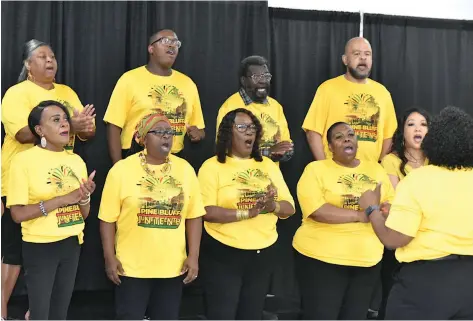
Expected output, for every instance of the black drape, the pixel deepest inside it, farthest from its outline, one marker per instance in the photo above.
(423, 62)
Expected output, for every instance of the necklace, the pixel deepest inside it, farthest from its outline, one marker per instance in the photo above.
(412, 158)
(166, 168)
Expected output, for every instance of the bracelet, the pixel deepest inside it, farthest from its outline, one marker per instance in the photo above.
(83, 203)
(43, 210)
(242, 215)
(277, 208)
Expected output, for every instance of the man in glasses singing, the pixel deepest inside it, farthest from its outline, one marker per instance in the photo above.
(255, 82)
(154, 88)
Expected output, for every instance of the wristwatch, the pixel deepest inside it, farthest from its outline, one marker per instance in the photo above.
(371, 209)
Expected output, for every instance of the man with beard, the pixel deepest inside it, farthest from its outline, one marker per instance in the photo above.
(363, 103)
(154, 88)
(253, 95)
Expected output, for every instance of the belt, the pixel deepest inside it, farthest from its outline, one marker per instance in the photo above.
(453, 257)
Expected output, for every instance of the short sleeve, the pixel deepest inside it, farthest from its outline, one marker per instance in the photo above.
(18, 183)
(390, 122)
(119, 105)
(276, 176)
(15, 111)
(197, 118)
(310, 192)
(316, 117)
(110, 204)
(195, 207)
(405, 215)
(387, 189)
(208, 180)
(390, 165)
(285, 134)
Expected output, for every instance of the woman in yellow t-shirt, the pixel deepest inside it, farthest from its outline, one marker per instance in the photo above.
(244, 195)
(337, 251)
(36, 83)
(430, 224)
(407, 155)
(49, 194)
(150, 201)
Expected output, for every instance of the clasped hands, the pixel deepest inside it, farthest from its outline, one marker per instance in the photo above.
(82, 194)
(373, 198)
(83, 122)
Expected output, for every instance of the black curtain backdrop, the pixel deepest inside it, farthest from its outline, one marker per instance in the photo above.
(422, 62)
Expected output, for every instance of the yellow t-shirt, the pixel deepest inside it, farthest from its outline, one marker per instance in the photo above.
(40, 175)
(326, 182)
(17, 104)
(150, 214)
(433, 205)
(367, 108)
(237, 184)
(271, 116)
(139, 92)
(392, 164)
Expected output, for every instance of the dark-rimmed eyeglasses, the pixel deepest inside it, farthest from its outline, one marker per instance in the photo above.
(257, 78)
(162, 132)
(168, 42)
(242, 128)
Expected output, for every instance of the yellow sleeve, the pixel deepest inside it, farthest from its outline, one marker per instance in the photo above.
(119, 105)
(276, 176)
(197, 118)
(390, 165)
(15, 111)
(196, 206)
(310, 192)
(18, 183)
(405, 215)
(390, 121)
(387, 190)
(110, 204)
(316, 117)
(221, 113)
(208, 180)
(285, 134)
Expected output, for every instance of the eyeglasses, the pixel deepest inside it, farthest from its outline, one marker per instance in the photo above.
(162, 132)
(168, 42)
(257, 78)
(245, 127)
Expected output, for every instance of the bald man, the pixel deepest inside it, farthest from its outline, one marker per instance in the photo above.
(356, 99)
(155, 87)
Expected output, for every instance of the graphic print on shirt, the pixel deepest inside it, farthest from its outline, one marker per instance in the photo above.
(253, 185)
(271, 132)
(161, 202)
(64, 180)
(70, 145)
(353, 185)
(363, 116)
(168, 100)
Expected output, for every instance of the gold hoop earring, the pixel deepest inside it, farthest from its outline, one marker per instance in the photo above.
(30, 76)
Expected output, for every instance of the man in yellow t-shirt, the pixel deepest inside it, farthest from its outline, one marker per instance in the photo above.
(363, 103)
(253, 95)
(154, 88)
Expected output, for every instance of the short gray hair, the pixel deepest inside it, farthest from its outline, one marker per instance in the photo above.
(28, 49)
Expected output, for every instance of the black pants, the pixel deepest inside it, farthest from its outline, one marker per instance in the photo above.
(389, 266)
(235, 281)
(330, 291)
(160, 298)
(11, 238)
(441, 290)
(50, 273)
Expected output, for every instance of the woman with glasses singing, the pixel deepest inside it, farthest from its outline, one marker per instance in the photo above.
(244, 194)
(49, 194)
(155, 87)
(150, 203)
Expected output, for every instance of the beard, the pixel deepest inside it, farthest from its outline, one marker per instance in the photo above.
(358, 75)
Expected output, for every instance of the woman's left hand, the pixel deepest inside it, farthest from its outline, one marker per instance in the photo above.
(88, 186)
(370, 197)
(191, 266)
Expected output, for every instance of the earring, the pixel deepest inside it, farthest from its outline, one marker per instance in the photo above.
(30, 76)
(43, 142)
